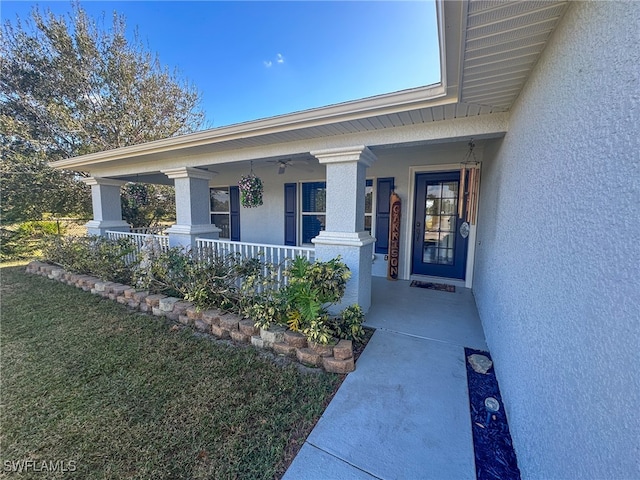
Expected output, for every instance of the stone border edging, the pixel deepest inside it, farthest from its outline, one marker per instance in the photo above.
(334, 359)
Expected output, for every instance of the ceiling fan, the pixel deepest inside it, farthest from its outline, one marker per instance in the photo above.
(283, 164)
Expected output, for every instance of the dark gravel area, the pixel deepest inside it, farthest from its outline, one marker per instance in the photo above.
(494, 454)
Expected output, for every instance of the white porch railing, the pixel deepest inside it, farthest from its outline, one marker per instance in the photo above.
(138, 240)
(279, 255)
(148, 230)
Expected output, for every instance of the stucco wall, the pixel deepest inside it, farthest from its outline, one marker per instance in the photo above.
(558, 260)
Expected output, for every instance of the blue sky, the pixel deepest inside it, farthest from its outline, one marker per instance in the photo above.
(254, 60)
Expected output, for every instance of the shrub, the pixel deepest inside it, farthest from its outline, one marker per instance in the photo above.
(313, 287)
(208, 280)
(161, 271)
(349, 324)
(109, 260)
(261, 298)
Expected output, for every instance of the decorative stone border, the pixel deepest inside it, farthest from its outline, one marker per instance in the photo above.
(334, 359)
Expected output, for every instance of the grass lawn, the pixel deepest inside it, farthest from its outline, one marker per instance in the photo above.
(125, 395)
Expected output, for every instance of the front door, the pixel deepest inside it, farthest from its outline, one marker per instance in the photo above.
(439, 247)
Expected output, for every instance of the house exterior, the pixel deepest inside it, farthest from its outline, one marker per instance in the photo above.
(549, 93)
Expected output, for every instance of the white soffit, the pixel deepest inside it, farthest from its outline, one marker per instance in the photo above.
(504, 40)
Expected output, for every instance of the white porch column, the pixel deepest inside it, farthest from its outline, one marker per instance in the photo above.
(192, 206)
(107, 210)
(345, 234)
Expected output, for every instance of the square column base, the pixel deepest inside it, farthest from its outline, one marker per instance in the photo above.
(100, 227)
(356, 250)
(185, 235)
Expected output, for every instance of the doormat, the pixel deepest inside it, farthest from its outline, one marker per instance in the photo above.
(433, 286)
(494, 454)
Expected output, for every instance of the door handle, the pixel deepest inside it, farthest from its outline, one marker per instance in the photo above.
(418, 231)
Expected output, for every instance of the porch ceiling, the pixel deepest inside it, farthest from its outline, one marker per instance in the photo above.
(503, 41)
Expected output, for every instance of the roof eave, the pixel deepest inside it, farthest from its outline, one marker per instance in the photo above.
(381, 104)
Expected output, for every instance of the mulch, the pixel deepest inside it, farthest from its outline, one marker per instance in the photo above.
(494, 454)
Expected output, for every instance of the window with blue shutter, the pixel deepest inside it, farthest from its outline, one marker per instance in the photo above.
(234, 213)
(383, 209)
(290, 202)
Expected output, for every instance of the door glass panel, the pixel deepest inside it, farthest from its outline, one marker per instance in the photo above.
(448, 206)
(450, 190)
(440, 223)
(432, 222)
(446, 240)
(447, 223)
(432, 206)
(434, 191)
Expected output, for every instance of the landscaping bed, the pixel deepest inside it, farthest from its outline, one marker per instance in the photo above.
(337, 358)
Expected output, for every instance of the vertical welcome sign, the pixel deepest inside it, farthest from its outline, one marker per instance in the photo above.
(394, 236)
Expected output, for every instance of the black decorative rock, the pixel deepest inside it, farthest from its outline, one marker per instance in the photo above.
(494, 454)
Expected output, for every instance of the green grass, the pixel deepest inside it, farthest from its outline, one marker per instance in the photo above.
(125, 395)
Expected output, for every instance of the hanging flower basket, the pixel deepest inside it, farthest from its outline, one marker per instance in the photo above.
(250, 191)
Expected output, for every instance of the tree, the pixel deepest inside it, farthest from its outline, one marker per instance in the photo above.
(68, 88)
(144, 205)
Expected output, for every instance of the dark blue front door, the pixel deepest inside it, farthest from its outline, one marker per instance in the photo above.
(439, 249)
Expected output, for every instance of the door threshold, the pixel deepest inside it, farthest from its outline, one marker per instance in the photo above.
(447, 281)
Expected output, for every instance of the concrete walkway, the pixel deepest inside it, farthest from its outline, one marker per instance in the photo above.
(404, 412)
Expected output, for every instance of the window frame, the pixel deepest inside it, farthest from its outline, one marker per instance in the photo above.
(303, 214)
(370, 182)
(228, 212)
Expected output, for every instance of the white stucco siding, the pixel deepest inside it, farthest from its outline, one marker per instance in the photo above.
(557, 265)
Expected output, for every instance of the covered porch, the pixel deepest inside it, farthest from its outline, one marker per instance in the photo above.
(333, 201)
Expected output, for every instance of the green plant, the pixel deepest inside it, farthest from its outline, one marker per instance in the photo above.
(207, 282)
(349, 324)
(329, 278)
(210, 280)
(318, 330)
(312, 288)
(261, 299)
(265, 314)
(111, 260)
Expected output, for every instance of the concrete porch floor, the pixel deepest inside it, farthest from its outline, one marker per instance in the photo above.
(404, 412)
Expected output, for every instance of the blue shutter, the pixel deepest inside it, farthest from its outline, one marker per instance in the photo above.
(290, 200)
(234, 211)
(383, 194)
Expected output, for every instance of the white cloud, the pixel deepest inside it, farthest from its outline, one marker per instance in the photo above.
(279, 60)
